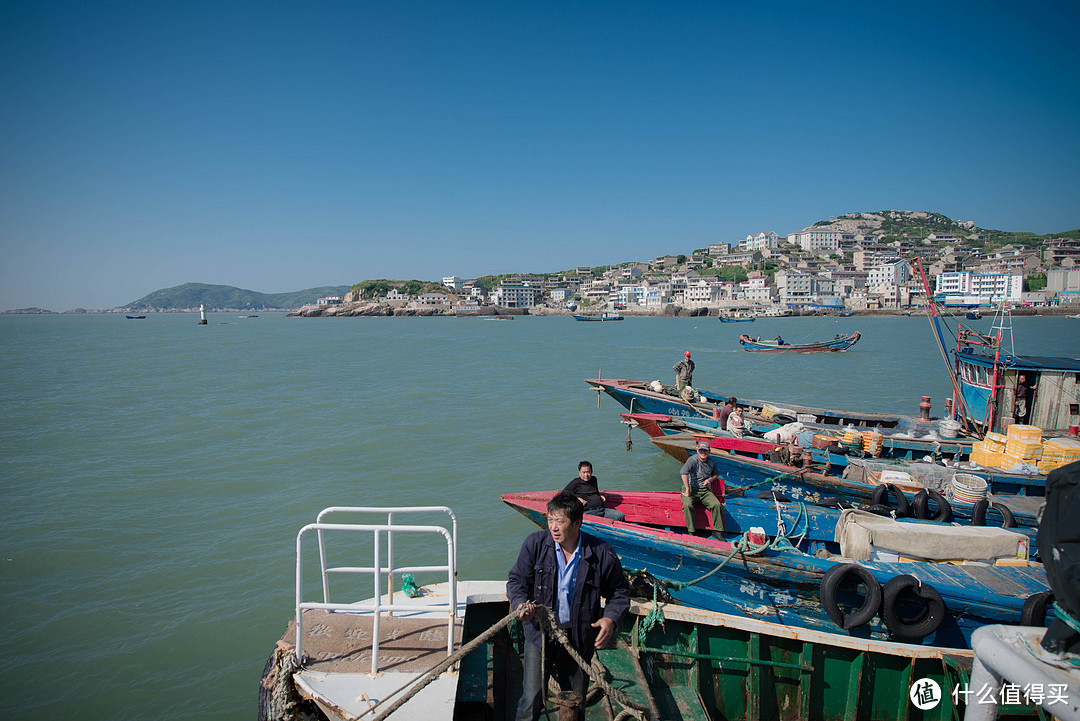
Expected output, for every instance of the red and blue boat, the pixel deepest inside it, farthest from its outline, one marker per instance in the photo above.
(798, 574)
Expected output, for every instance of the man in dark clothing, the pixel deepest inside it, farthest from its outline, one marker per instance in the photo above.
(725, 412)
(584, 488)
(684, 372)
(568, 571)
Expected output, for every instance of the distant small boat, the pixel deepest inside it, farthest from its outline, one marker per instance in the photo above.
(974, 315)
(135, 317)
(839, 343)
(605, 316)
(732, 319)
(249, 316)
(846, 313)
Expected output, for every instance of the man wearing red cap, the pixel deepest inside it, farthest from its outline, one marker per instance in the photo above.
(684, 372)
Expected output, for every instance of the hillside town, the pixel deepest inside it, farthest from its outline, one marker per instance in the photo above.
(838, 264)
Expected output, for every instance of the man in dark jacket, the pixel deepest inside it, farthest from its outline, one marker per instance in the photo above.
(567, 571)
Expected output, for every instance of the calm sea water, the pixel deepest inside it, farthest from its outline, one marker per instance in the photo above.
(155, 472)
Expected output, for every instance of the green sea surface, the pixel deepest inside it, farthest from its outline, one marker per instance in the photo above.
(155, 472)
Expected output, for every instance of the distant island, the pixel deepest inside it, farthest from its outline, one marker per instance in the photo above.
(851, 259)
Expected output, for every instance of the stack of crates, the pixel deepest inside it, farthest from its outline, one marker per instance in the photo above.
(852, 441)
(1023, 444)
(871, 444)
(1058, 452)
(989, 452)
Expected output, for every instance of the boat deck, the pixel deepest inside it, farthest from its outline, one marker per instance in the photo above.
(341, 642)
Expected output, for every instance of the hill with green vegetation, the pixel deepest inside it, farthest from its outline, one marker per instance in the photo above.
(226, 297)
(892, 225)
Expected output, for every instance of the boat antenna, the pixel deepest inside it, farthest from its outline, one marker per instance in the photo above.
(1003, 324)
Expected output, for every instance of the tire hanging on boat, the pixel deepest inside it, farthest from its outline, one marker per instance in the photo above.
(837, 503)
(889, 489)
(978, 514)
(1034, 611)
(774, 496)
(930, 616)
(920, 505)
(830, 585)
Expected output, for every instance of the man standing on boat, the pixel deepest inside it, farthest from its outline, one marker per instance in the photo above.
(584, 488)
(699, 477)
(567, 571)
(684, 372)
(1024, 391)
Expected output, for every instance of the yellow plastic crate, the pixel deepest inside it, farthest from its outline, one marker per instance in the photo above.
(1031, 450)
(1025, 433)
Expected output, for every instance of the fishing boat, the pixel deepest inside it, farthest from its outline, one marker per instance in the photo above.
(845, 314)
(656, 397)
(737, 319)
(789, 564)
(604, 317)
(840, 343)
(986, 376)
(973, 315)
(135, 317)
(675, 661)
(871, 484)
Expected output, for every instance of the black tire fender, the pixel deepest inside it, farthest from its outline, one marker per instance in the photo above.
(928, 620)
(879, 509)
(978, 514)
(837, 503)
(774, 496)
(830, 585)
(920, 506)
(889, 489)
(1034, 611)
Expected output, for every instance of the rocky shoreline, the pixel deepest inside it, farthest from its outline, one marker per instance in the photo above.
(372, 309)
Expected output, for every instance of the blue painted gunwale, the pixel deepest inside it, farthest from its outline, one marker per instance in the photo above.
(782, 587)
(749, 475)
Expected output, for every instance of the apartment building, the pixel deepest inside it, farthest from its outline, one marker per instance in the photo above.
(514, 296)
(891, 273)
(814, 240)
(974, 288)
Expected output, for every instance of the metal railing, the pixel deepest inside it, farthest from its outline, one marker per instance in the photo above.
(377, 570)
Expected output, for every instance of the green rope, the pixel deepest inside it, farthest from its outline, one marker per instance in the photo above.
(1066, 617)
(743, 545)
(408, 586)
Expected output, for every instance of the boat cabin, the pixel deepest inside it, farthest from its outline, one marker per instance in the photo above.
(998, 390)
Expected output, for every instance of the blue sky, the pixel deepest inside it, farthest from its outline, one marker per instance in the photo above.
(281, 145)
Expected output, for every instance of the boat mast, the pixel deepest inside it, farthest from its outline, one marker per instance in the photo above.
(958, 398)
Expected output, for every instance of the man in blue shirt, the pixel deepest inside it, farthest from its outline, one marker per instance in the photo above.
(567, 571)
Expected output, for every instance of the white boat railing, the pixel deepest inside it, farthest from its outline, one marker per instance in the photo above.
(377, 570)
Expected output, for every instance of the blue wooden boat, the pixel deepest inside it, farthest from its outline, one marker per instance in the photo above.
(748, 475)
(655, 397)
(897, 453)
(604, 317)
(839, 343)
(800, 577)
(985, 376)
(845, 313)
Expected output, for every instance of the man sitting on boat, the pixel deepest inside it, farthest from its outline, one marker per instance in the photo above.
(699, 476)
(725, 412)
(584, 488)
(567, 571)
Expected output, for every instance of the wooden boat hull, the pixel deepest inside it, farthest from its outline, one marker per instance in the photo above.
(841, 343)
(783, 587)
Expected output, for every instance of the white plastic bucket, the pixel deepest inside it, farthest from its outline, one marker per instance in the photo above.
(967, 488)
(948, 428)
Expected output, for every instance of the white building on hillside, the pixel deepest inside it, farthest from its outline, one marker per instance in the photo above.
(811, 240)
(761, 241)
(452, 282)
(514, 296)
(892, 273)
(985, 288)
